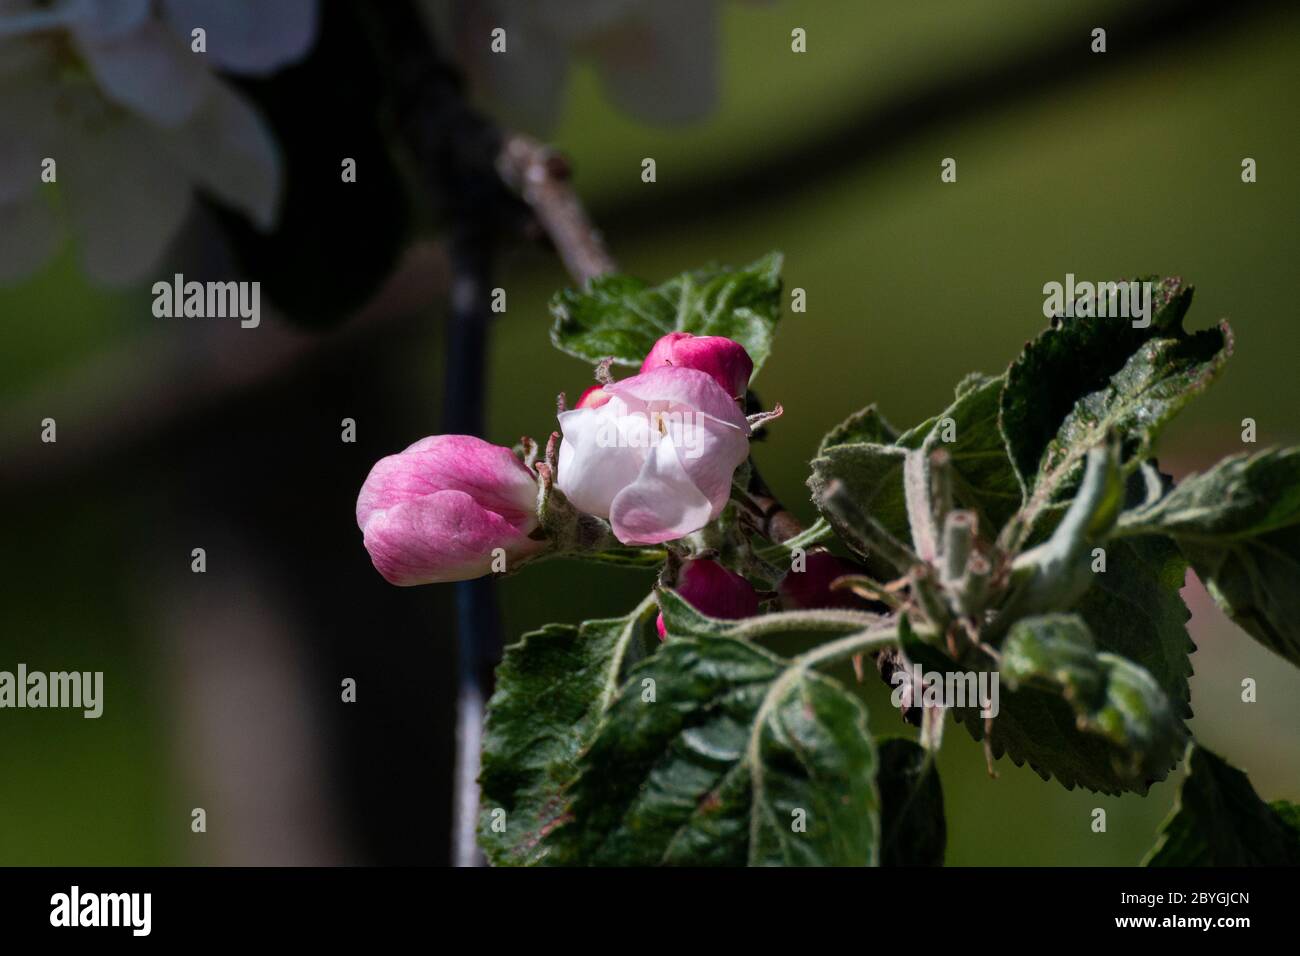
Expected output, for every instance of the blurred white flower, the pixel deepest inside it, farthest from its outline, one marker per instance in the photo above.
(656, 58)
(135, 121)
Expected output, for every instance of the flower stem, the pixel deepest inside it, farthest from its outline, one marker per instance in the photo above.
(845, 647)
(836, 621)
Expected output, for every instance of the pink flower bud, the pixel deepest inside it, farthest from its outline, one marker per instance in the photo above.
(655, 457)
(593, 397)
(438, 510)
(811, 587)
(725, 361)
(713, 590)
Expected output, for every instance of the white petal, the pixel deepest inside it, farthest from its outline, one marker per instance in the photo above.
(227, 148)
(662, 504)
(527, 83)
(150, 72)
(710, 452)
(18, 23)
(596, 460)
(125, 198)
(95, 21)
(248, 36)
(663, 67)
(29, 235)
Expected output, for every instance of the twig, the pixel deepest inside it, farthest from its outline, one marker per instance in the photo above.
(775, 521)
(541, 177)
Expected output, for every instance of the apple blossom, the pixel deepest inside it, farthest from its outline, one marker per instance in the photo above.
(658, 59)
(134, 120)
(714, 590)
(654, 454)
(438, 510)
(726, 361)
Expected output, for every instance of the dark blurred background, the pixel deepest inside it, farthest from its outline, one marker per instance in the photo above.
(223, 688)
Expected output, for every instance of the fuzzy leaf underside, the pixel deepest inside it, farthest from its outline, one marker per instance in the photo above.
(551, 689)
(740, 758)
(622, 317)
(1089, 375)
(1239, 526)
(871, 476)
(1220, 821)
(864, 426)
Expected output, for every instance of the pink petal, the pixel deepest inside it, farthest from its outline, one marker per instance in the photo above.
(811, 587)
(725, 361)
(710, 453)
(593, 397)
(444, 536)
(717, 591)
(491, 475)
(679, 389)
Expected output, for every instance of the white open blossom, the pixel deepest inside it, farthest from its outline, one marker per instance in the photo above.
(135, 119)
(658, 59)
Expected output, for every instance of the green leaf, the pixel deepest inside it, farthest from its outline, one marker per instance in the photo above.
(863, 458)
(1134, 610)
(718, 752)
(1220, 821)
(780, 552)
(1239, 526)
(1288, 811)
(866, 425)
(621, 317)
(984, 479)
(869, 479)
(1089, 718)
(912, 827)
(551, 689)
(1087, 376)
